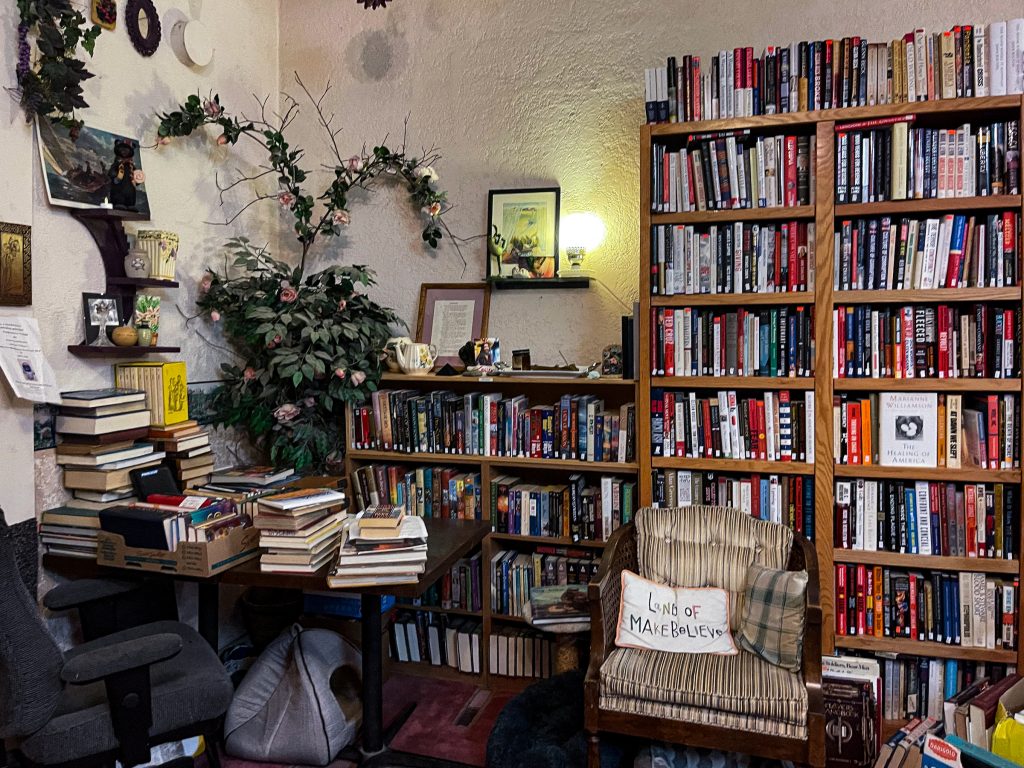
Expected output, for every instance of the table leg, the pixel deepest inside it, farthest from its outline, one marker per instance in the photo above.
(209, 613)
(373, 676)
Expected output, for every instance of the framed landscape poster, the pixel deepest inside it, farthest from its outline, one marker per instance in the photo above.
(522, 242)
(451, 314)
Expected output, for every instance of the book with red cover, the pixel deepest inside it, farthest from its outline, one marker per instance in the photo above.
(841, 599)
(790, 172)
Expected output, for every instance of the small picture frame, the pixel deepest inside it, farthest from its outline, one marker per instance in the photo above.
(487, 352)
(450, 314)
(94, 306)
(15, 265)
(522, 238)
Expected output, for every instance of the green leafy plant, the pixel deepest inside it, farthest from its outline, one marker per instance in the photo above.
(309, 341)
(53, 87)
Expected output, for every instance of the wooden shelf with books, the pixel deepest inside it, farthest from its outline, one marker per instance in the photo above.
(734, 382)
(501, 488)
(909, 647)
(438, 609)
(730, 215)
(928, 296)
(978, 206)
(929, 205)
(904, 560)
(926, 385)
(781, 299)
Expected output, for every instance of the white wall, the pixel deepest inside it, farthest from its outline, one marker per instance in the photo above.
(124, 96)
(536, 92)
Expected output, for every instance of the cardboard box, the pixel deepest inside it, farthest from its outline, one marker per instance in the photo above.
(191, 558)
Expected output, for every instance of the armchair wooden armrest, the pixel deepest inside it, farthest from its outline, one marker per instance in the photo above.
(604, 594)
(803, 558)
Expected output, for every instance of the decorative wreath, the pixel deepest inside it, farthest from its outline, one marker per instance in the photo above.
(146, 46)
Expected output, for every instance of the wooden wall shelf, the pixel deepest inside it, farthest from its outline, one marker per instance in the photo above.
(89, 351)
(512, 284)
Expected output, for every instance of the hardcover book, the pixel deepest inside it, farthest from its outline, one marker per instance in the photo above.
(908, 429)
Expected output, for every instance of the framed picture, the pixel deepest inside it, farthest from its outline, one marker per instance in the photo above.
(98, 167)
(451, 314)
(201, 396)
(15, 265)
(522, 240)
(96, 306)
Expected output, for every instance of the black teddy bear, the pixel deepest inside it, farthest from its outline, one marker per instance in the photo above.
(123, 175)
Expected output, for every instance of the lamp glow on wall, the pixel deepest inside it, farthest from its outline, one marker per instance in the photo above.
(580, 233)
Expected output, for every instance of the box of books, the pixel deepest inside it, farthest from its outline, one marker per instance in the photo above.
(189, 558)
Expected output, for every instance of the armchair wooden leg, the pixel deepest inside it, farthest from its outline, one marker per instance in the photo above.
(593, 750)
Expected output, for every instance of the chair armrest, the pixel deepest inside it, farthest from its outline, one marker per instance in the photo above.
(604, 594)
(79, 592)
(109, 659)
(803, 557)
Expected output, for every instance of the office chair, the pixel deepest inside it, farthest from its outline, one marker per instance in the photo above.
(112, 697)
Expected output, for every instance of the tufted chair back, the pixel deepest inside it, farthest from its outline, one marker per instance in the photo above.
(708, 547)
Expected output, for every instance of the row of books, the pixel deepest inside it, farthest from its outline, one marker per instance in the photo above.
(733, 170)
(923, 429)
(444, 492)
(569, 511)
(776, 426)
(886, 159)
(707, 342)
(786, 499)
(515, 573)
(300, 530)
(163, 521)
(460, 588)
(955, 251)
(965, 61)
(928, 518)
(917, 341)
(436, 639)
(742, 257)
(965, 609)
(165, 385)
(491, 424)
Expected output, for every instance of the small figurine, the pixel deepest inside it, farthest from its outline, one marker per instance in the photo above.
(611, 360)
(124, 176)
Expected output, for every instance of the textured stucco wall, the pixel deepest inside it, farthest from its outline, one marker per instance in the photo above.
(124, 96)
(529, 93)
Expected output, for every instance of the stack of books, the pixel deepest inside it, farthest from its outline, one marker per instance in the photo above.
(189, 455)
(554, 605)
(378, 550)
(99, 430)
(300, 530)
(69, 531)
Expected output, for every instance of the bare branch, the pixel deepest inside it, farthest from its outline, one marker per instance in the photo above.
(241, 210)
(325, 121)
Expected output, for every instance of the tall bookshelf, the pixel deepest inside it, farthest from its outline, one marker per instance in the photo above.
(825, 213)
(539, 389)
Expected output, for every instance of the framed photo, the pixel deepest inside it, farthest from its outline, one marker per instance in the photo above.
(15, 265)
(450, 314)
(94, 307)
(522, 240)
(100, 166)
(201, 396)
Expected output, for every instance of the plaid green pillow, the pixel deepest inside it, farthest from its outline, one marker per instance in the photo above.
(774, 616)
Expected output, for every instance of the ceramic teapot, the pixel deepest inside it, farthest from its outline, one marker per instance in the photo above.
(415, 358)
(391, 350)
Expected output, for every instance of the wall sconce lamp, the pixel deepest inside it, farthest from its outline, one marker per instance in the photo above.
(580, 233)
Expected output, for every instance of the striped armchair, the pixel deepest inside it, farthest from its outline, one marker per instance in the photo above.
(704, 700)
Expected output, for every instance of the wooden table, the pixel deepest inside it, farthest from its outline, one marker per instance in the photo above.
(447, 542)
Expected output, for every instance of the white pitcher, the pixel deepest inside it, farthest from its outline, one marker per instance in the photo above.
(415, 358)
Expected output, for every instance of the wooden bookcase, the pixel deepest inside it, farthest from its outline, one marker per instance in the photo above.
(825, 213)
(614, 391)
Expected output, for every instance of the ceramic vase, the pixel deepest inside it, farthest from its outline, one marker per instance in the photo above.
(136, 263)
(145, 337)
(162, 249)
(125, 336)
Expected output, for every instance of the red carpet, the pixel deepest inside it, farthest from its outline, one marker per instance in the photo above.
(452, 721)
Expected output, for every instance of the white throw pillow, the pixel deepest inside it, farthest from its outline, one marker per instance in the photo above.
(655, 617)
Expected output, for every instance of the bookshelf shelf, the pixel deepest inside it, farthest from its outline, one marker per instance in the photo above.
(932, 562)
(927, 385)
(726, 299)
(776, 213)
(929, 296)
(495, 461)
(734, 382)
(734, 465)
(444, 382)
(931, 205)
(982, 105)
(824, 298)
(87, 350)
(909, 647)
(553, 541)
(963, 475)
(503, 617)
(438, 609)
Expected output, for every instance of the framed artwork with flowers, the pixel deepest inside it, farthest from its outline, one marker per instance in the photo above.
(98, 168)
(15, 265)
(450, 314)
(522, 241)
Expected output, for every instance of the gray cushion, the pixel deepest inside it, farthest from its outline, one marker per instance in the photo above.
(189, 688)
